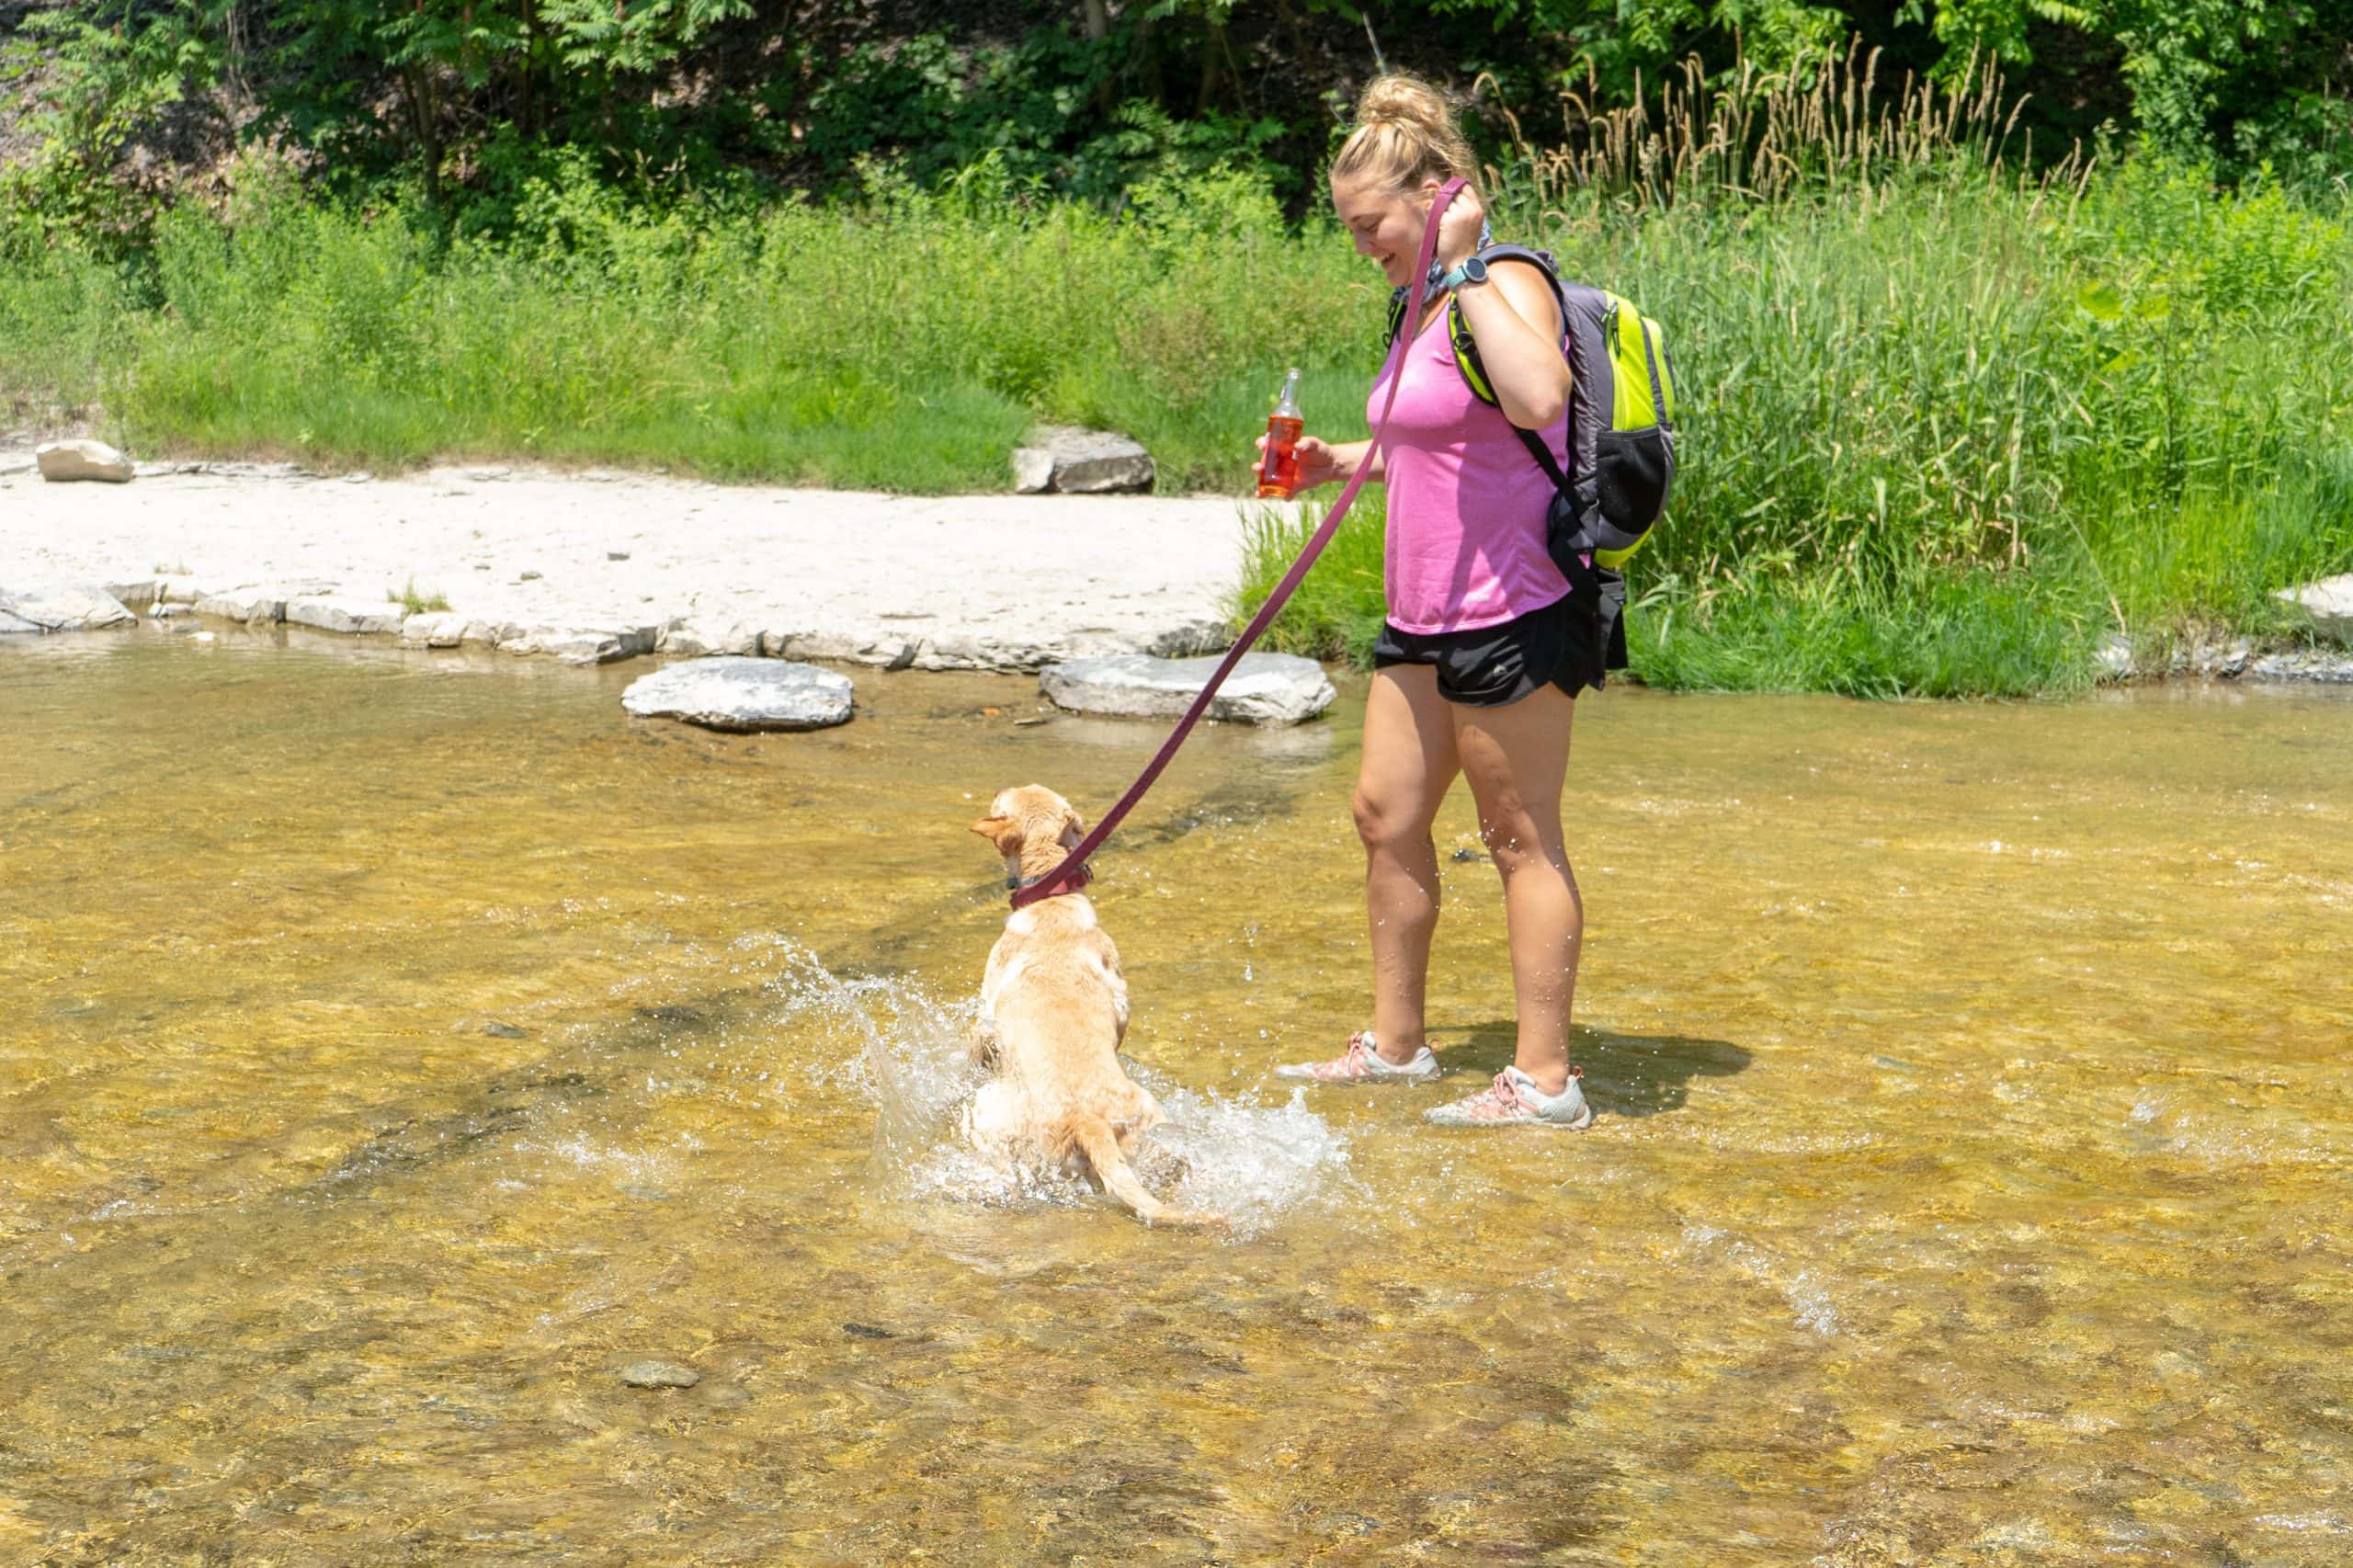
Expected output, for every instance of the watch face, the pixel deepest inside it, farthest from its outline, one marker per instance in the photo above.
(1475, 271)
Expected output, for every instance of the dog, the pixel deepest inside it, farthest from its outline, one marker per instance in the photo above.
(1053, 1011)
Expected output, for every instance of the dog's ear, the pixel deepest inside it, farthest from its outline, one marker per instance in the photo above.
(1003, 832)
(1073, 824)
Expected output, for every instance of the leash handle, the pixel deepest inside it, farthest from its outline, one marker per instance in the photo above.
(1064, 878)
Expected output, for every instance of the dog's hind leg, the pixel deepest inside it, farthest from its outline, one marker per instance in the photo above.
(1093, 1136)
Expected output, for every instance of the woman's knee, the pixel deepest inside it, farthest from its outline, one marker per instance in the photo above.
(1518, 842)
(1384, 822)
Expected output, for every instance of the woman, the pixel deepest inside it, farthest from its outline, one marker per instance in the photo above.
(1484, 652)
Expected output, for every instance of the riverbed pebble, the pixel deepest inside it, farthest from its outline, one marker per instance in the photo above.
(739, 694)
(1264, 688)
(659, 1375)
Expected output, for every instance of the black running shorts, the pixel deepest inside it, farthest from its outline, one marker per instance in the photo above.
(1495, 666)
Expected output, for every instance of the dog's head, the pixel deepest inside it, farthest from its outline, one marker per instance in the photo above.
(1030, 825)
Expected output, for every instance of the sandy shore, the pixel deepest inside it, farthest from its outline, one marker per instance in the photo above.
(527, 558)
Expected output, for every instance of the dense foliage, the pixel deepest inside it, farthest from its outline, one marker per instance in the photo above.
(465, 100)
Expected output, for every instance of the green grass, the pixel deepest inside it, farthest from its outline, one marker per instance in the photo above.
(413, 603)
(1942, 430)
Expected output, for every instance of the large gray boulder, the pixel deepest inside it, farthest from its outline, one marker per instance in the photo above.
(734, 693)
(1080, 462)
(2330, 604)
(62, 460)
(1264, 688)
(60, 606)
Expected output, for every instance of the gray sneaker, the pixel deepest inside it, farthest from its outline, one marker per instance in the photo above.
(1361, 1063)
(1514, 1100)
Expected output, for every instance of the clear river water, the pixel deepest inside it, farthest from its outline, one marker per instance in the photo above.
(393, 1047)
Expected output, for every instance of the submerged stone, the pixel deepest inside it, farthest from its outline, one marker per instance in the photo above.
(659, 1375)
(743, 694)
(1264, 688)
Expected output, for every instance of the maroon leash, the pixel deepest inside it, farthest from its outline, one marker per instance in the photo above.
(1072, 875)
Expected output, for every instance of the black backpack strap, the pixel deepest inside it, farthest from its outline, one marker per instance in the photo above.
(1544, 458)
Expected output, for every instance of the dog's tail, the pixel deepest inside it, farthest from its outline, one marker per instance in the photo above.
(1093, 1136)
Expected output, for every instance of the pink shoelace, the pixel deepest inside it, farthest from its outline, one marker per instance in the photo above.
(1501, 1101)
(1353, 1063)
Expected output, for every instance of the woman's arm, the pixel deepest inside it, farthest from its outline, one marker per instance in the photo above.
(1352, 455)
(1517, 325)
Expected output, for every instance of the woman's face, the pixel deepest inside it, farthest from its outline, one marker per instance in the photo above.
(1387, 224)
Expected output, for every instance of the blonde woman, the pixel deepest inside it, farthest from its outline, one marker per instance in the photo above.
(1485, 650)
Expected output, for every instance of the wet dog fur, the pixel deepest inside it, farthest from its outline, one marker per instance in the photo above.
(1053, 1011)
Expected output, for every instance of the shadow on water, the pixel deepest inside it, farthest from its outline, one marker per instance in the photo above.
(1625, 1075)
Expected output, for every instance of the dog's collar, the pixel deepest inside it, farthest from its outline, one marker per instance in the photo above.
(1078, 879)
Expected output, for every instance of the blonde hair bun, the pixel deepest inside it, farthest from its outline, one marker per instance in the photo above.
(1401, 100)
(1405, 134)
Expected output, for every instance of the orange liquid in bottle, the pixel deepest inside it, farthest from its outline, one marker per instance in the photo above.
(1279, 471)
(1279, 474)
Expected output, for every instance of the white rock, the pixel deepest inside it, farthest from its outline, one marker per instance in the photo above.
(348, 613)
(433, 628)
(62, 460)
(60, 606)
(1264, 688)
(2310, 665)
(1033, 471)
(734, 693)
(582, 645)
(2113, 659)
(2330, 604)
(695, 639)
(252, 607)
(1080, 462)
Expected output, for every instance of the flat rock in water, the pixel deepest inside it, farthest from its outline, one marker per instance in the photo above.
(659, 1375)
(62, 460)
(347, 613)
(1264, 688)
(732, 693)
(2330, 604)
(1080, 462)
(60, 606)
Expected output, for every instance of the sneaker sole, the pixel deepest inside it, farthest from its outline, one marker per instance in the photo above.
(1301, 1075)
(1579, 1125)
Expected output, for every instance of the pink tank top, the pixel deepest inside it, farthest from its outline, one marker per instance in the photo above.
(1465, 546)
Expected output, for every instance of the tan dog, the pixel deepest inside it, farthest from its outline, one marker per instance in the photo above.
(1053, 1010)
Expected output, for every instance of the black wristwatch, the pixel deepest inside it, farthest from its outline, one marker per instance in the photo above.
(1471, 272)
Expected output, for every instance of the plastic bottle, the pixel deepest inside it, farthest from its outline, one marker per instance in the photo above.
(1278, 472)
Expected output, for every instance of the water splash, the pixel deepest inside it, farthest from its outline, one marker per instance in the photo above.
(1251, 1162)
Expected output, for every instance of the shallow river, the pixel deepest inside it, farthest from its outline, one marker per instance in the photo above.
(393, 1048)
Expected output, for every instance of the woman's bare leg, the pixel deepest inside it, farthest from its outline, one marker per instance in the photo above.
(1409, 763)
(1515, 758)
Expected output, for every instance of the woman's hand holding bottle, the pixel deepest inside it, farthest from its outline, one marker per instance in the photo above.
(1318, 462)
